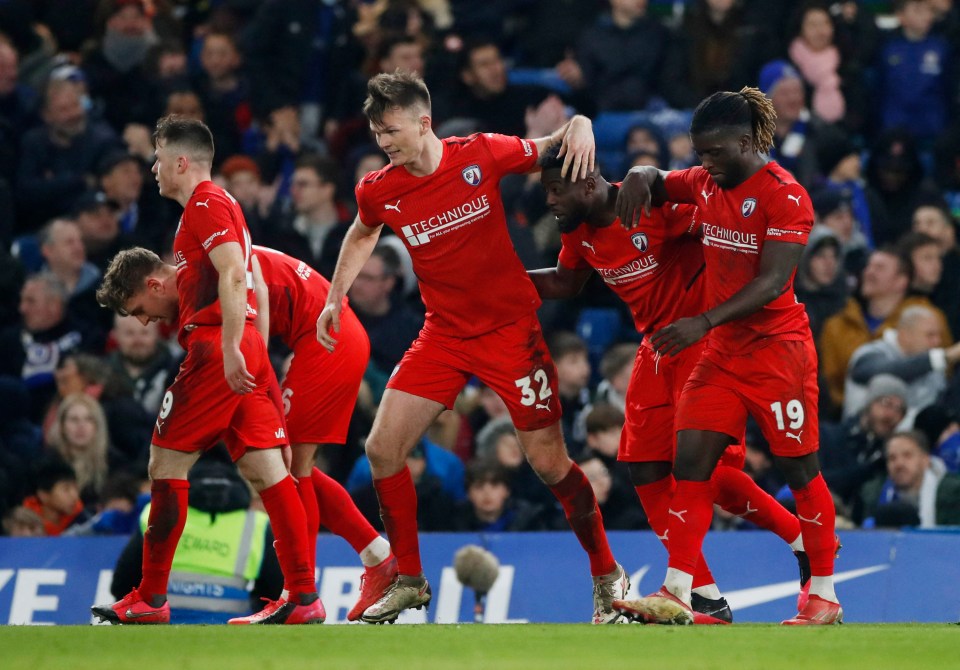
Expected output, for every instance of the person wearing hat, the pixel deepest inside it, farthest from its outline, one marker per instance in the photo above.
(207, 585)
(852, 451)
(821, 283)
(833, 209)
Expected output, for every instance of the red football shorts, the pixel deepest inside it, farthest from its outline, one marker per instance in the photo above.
(512, 360)
(651, 407)
(199, 409)
(776, 384)
(320, 389)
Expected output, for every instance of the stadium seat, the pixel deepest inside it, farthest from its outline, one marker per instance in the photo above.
(599, 327)
(546, 77)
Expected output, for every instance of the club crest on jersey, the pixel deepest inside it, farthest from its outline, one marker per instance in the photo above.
(471, 174)
(748, 206)
(640, 241)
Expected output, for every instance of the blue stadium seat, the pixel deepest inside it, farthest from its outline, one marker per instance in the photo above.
(599, 327)
(546, 77)
(27, 249)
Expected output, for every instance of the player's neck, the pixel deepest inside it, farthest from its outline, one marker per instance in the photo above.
(605, 212)
(429, 160)
(756, 163)
(190, 183)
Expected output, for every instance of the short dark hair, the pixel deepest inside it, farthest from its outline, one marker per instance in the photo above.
(192, 135)
(563, 343)
(323, 166)
(391, 42)
(387, 91)
(51, 472)
(465, 60)
(602, 417)
(904, 262)
(915, 436)
(125, 275)
(728, 109)
(913, 241)
(390, 258)
(483, 471)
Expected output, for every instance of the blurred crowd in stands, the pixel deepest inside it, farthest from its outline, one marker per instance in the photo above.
(866, 94)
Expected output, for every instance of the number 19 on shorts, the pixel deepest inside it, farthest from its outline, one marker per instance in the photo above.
(794, 414)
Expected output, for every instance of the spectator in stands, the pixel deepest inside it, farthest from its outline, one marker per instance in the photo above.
(570, 355)
(116, 512)
(916, 490)
(114, 67)
(497, 442)
(819, 61)
(80, 437)
(319, 221)
(224, 92)
(834, 212)
(99, 228)
(23, 522)
(796, 138)
(882, 298)
(186, 103)
(143, 361)
(820, 283)
(896, 174)
(142, 213)
(619, 505)
(618, 60)
(941, 426)
(488, 97)
(491, 507)
(551, 27)
(242, 175)
(59, 159)
(924, 254)
(57, 497)
(391, 325)
(61, 245)
(914, 352)
(934, 221)
(914, 69)
(616, 368)
(18, 109)
(33, 349)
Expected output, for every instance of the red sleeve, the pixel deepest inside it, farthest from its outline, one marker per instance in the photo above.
(570, 256)
(680, 219)
(789, 215)
(366, 210)
(213, 222)
(684, 185)
(510, 154)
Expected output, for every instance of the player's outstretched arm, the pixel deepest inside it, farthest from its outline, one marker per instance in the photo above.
(558, 282)
(357, 246)
(643, 188)
(260, 289)
(577, 146)
(778, 260)
(228, 259)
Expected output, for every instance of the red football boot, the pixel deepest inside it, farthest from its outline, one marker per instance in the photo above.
(374, 582)
(133, 609)
(818, 612)
(283, 611)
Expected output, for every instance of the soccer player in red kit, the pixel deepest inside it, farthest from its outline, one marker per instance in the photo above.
(759, 357)
(658, 272)
(223, 389)
(441, 197)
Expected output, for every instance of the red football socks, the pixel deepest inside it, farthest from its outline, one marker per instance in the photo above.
(738, 494)
(398, 509)
(289, 523)
(167, 517)
(817, 517)
(655, 499)
(583, 514)
(339, 514)
(309, 499)
(688, 520)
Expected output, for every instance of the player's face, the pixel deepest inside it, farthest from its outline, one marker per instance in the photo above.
(723, 154)
(152, 303)
(566, 201)
(401, 135)
(165, 169)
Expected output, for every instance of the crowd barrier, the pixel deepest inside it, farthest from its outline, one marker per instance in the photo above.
(881, 576)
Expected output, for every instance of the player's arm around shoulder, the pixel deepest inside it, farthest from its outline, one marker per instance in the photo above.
(577, 146)
(357, 246)
(559, 282)
(642, 189)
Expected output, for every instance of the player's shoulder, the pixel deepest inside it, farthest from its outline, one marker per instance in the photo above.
(208, 196)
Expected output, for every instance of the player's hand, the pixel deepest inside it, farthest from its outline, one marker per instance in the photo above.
(578, 149)
(235, 370)
(672, 339)
(633, 199)
(328, 323)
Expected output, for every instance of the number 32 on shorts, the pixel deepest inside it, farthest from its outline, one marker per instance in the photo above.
(794, 414)
(536, 391)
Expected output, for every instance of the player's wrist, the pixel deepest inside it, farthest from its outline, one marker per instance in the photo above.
(707, 320)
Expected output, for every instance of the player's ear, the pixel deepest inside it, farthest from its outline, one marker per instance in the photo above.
(425, 123)
(154, 284)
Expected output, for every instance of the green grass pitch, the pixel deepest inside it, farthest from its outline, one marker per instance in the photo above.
(493, 647)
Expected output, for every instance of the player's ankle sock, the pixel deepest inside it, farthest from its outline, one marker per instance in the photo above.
(655, 499)
(580, 505)
(817, 517)
(797, 544)
(289, 523)
(679, 583)
(690, 514)
(708, 591)
(339, 513)
(738, 494)
(308, 498)
(398, 509)
(823, 587)
(375, 553)
(167, 517)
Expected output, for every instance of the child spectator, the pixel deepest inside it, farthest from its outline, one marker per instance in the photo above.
(569, 353)
(604, 425)
(57, 497)
(490, 506)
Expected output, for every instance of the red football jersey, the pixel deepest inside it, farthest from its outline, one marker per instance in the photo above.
(735, 223)
(657, 269)
(297, 294)
(212, 217)
(454, 226)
